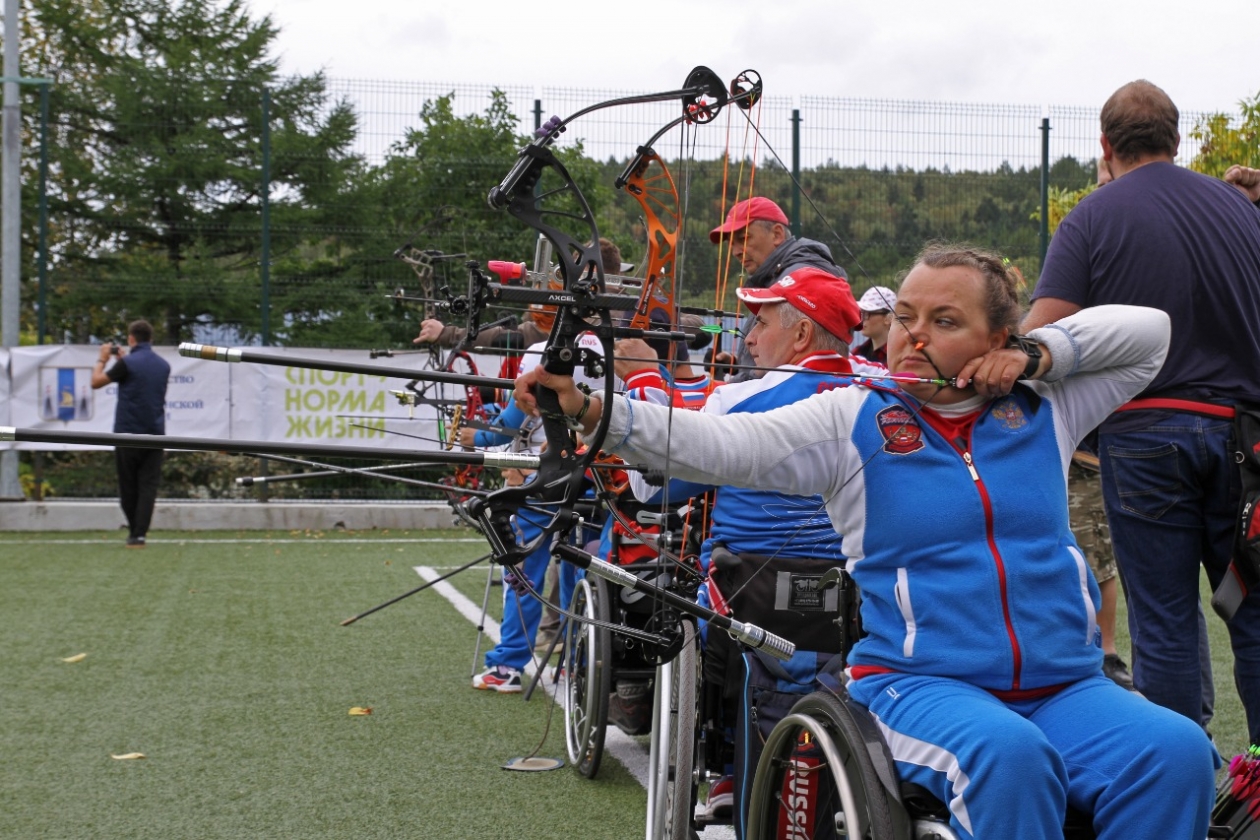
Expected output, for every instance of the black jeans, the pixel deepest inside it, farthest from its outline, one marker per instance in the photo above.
(139, 472)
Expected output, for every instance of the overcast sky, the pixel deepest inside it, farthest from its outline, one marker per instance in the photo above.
(1068, 52)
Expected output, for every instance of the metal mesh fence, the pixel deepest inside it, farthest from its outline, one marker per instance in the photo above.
(161, 215)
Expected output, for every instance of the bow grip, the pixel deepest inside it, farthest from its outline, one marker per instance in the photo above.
(561, 361)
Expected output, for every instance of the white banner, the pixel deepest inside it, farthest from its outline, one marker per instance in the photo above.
(48, 387)
(4, 387)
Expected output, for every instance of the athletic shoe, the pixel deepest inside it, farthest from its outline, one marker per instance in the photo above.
(1117, 671)
(721, 802)
(500, 678)
(135, 542)
(630, 716)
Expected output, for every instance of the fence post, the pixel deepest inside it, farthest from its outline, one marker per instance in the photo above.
(796, 171)
(42, 300)
(1045, 188)
(264, 491)
(37, 457)
(265, 191)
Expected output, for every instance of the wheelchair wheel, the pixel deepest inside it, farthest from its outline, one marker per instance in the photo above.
(671, 762)
(587, 664)
(816, 756)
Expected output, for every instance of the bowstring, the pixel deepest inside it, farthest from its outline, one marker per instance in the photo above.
(725, 255)
(899, 319)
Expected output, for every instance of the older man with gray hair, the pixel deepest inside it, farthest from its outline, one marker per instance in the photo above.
(760, 240)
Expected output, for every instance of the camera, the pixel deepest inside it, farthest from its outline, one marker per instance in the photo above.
(113, 348)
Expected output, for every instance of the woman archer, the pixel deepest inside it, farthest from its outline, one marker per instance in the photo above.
(981, 664)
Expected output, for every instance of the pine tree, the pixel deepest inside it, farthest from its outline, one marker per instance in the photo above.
(156, 161)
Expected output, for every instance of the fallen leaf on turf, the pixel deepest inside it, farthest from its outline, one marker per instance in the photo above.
(78, 657)
(128, 756)
(361, 710)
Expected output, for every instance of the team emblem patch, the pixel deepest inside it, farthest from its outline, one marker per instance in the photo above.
(901, 430)
(1010, 415)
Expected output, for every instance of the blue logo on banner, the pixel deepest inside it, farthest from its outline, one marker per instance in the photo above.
(65, 393)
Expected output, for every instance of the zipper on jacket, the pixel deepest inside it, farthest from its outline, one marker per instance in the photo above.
(964, 449)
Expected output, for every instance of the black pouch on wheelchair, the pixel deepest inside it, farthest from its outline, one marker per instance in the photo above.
(781, 595)
(771, 689)
(1243, 575)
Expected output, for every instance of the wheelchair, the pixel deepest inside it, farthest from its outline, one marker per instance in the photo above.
(659, 645)
(587, 664)
(826, 772)
(595, 657)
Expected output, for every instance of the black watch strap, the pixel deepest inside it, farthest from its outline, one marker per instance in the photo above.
(1031, 349)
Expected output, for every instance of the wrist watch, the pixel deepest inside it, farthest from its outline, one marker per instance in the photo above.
(1031, 349)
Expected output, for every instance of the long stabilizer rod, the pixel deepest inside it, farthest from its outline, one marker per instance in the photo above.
(240, 354)
(746, 634)
(501, 460)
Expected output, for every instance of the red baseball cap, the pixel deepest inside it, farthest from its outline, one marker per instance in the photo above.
(824, 297)
(757, 209)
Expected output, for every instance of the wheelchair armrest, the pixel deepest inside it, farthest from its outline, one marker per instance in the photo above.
(723, 559)
(831, 577)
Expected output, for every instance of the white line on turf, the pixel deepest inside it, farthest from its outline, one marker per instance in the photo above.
(632, 755)
(621, 746)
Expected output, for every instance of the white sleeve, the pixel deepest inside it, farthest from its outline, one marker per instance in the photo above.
(802, 448)
(1102, 357)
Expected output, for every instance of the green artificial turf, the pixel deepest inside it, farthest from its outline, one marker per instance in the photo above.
(220, 657)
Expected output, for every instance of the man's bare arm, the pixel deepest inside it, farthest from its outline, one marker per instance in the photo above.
(1246, 179)
(1047, 310)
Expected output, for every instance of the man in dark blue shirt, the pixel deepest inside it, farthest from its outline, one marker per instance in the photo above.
(141, 379)
(1165, 237)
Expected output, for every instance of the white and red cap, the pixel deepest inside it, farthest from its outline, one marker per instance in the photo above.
(878, 299)
(825, 298)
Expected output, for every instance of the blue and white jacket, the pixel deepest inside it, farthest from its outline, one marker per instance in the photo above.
(755, 520)
(961, 547)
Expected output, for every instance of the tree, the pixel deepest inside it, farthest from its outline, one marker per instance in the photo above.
(155, 191)
(431, 192)
(1223, 143)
